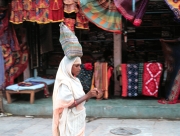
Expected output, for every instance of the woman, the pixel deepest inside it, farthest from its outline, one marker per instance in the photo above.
(68, 99)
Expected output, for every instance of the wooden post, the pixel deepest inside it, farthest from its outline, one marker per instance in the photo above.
(117, 61)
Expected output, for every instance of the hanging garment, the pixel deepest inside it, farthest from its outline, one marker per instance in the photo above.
(2, 71)
(81, 21)
(29, 7)
(125, 7)
(56, 13)
(102, 13)
(174, 5)
(151, 78)
(42, 11)
(175, 92)
(85, 76)
(124, 80)
(70, 8)
(16, 12)
(132, 76)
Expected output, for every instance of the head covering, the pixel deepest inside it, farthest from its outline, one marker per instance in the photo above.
(77, 61)
(64, 76)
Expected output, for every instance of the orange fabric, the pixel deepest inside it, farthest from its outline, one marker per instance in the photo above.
(100, 78)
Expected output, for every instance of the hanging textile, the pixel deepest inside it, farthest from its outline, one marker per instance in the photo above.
(16, 12)
(132, 76)
(151, 79)
(29, 10)
(174, 5)
(81, 21)
(2, 74)
(124, 79)
(100, 78)
(56, 13)
(125, 7)
(70, 6)
(42, 11)
(102, 13)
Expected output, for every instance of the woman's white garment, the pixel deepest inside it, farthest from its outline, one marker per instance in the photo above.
(67, 122)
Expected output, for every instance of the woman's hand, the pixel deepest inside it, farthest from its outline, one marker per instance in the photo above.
(93, 93)
(100, 94)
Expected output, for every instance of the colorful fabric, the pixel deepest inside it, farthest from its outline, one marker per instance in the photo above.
(67, 88)
(70, 44)
(124, 80)
(102, 13)
(126, 9)
(29, 10)
(174, 5)
(70, 8)
(132, 75)
(69, 22)
(140, 78)
(151, 79)
(100, 77)
(175, 92)
(85, 76)
(16, 12)
(81, 21)
(56, 13)
(2, 71)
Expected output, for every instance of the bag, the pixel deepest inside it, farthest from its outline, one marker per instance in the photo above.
(70, 44)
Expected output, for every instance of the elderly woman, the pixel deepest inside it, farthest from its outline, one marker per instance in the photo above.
(68, 99)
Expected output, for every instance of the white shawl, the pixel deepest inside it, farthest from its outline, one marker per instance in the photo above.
(67, 122)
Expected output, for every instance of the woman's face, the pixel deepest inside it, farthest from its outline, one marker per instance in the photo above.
(75, 69)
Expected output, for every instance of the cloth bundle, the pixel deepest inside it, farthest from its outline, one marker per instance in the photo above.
(70, 44)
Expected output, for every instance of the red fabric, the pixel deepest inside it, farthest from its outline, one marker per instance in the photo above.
(109, 74)
(151, 78)
(56, 13)
(124, 79)
(88, 66)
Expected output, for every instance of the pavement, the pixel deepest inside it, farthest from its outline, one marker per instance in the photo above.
(41, 126)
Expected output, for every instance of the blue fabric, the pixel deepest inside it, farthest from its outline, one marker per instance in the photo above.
(2, 69)
(132, 73)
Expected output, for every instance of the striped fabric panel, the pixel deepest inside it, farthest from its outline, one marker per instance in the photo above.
(102, 13)
(140, 79)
